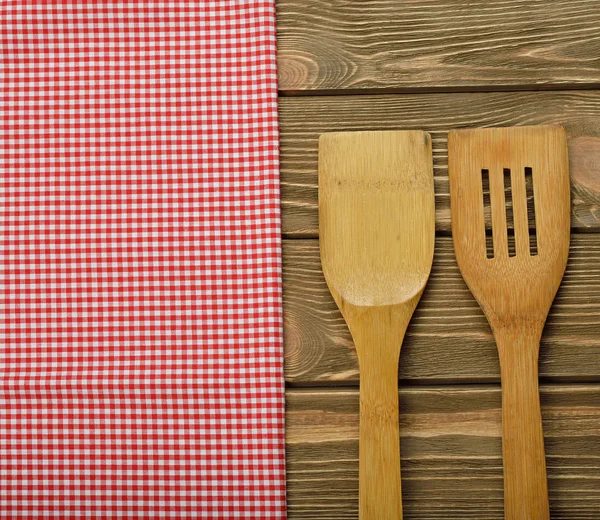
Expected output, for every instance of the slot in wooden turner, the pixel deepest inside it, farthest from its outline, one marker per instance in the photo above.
(377, 233)
(515, 284)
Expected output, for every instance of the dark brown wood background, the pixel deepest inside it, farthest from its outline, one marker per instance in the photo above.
(436, 65)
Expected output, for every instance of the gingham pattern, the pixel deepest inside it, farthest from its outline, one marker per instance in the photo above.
(141, 367)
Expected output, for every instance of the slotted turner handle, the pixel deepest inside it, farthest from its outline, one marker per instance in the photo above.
(525, 482)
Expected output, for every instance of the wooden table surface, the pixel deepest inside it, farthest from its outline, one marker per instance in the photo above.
(436, 65)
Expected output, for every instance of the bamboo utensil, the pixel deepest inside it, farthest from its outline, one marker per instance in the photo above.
(514, 278)
(377, 233)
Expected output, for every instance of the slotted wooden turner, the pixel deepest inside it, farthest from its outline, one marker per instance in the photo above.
(376, 230)
(514, 284)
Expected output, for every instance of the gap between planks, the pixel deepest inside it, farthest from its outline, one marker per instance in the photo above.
(383, 91)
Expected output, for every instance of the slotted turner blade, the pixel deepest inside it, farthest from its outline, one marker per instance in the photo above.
(376, 230)
(524, 174)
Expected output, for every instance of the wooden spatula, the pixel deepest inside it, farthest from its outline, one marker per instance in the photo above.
(377, 233)
(514, 279)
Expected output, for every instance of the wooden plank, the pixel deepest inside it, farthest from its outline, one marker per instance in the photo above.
(303, 119)
(437, 44)
(450, 450)
(449, 339)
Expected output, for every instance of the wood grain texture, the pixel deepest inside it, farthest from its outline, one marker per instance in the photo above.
(449, 339)
(303, 119)
(515, 289)
(451, 452)
(435, 44)
(377, 235)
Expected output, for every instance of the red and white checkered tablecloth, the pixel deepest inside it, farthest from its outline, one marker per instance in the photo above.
(141, 366)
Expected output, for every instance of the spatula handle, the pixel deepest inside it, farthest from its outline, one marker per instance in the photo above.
(525, 482)
(380, 497)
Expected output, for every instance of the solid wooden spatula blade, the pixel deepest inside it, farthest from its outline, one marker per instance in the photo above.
(376, 214)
